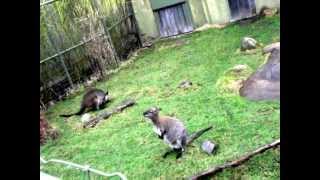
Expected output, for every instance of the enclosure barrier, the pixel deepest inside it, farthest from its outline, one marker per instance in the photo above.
(80, 39)
(86, 169)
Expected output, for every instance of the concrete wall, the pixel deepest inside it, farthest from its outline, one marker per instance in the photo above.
(146, 20)
(216, 11)
(156, 4)
(268, 3)
(197, 13)
(202, 11)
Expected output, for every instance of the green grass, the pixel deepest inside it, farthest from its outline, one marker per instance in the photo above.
(126, 143)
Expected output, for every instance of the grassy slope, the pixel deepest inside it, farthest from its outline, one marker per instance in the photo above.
(126, 143)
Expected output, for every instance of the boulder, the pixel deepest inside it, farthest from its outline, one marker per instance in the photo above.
(271, 47)
(264, 84)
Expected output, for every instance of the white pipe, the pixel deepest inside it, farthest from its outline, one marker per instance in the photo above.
(84, 168)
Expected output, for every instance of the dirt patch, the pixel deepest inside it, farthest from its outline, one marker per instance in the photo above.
(210, 26)
(233, 79)
(174, 44)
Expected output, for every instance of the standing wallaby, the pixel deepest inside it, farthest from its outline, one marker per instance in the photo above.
(172, 131)
(94, 98)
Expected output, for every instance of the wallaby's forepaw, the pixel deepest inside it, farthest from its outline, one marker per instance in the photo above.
(165, 154)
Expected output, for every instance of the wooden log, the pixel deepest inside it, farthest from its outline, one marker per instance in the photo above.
(213, 171)
(106, 114)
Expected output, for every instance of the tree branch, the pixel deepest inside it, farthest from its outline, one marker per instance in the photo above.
(104, 115)
(211, 172)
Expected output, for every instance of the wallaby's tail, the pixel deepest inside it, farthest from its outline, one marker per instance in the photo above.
(197, 134)
(82, 109)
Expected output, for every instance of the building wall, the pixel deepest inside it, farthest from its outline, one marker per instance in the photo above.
(216, 11)
(146, 20)
(197, 13)
(202, 12)
(156, 4)
(268, 3)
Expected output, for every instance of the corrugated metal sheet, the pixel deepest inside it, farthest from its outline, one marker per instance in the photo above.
(173, 21)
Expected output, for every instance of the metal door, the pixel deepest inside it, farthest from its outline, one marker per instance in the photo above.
(241, 9)
(173, 20)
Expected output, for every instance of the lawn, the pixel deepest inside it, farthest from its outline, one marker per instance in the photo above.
(126, 143)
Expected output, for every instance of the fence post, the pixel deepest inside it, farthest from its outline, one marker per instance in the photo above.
(66, 70)
(135, 23)
(94, 4)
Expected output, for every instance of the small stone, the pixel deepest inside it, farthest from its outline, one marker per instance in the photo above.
(248, 43)
(51, 103)
(270, 12)
(239, 68)
(185, 84)
(85, 118)
(208, 147)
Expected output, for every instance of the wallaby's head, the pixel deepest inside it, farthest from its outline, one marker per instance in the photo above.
(152, 112)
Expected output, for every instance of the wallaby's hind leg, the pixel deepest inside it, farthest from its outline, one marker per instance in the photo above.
(167, 153)
(179, 153)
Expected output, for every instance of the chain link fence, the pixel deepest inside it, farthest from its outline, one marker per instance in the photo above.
(81, 39)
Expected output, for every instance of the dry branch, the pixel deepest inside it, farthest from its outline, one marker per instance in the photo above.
(211, 172)
(104, 115)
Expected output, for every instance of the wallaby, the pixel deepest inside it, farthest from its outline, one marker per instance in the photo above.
(93, 99)
(172, 131)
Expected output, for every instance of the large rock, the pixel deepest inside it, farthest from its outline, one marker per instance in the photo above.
(271, 47)
(264, 84)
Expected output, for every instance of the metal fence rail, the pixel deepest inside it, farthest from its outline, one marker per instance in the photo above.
(86, 169)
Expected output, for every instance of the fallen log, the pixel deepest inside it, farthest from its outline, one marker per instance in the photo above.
(213, 171)
(104, 115)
